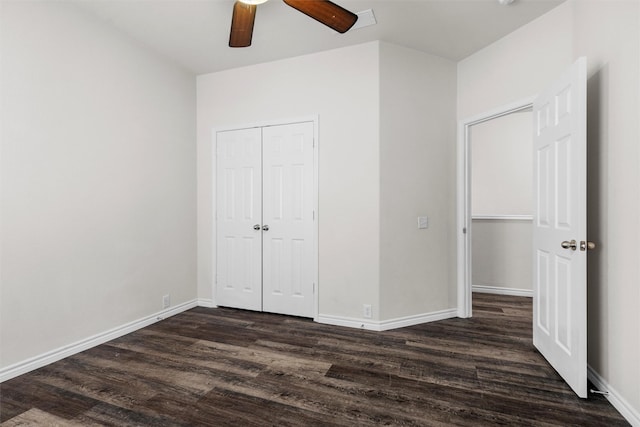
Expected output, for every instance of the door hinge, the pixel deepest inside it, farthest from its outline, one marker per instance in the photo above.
(464, 230)
(313, 213)
(314, 288)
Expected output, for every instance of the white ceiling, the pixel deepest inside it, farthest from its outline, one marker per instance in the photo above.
(195, 33)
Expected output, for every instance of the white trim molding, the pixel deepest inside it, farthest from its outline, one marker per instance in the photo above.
(497, 290)
(617, 401)
(385, 325)
(502, 217)
(44, 359)
(206, 302)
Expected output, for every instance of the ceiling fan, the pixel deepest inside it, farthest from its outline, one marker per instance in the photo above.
(323, 11)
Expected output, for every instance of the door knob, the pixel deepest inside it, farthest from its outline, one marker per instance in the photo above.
(265, 228)
(573, 245)
(256, 227)
(587, 245)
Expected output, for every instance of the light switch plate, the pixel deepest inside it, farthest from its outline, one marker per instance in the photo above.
(423, 222)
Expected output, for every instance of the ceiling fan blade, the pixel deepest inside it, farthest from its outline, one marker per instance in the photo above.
(326, 12)
(242, 21)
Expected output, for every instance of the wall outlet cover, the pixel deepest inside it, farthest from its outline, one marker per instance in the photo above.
(366, 311)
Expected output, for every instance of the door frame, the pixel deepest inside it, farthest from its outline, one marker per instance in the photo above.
(463, 192)
(214, 174)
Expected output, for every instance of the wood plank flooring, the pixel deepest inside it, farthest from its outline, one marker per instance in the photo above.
(217, 367)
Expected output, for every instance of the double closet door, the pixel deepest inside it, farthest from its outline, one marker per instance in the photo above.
(265, 219)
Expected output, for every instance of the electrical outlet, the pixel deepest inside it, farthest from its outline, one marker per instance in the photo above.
(366, 311)
(423, 222)
(166, 301)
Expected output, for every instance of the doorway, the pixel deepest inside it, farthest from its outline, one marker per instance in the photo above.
(501, 205)
(497, 220)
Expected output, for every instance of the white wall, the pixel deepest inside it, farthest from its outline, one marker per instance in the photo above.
(608, 34)
(501, 256)
(98, 180)
(341, 86)
(417, 178)
(520, 65)
(387, 132)
(501, 165)
(516, 66)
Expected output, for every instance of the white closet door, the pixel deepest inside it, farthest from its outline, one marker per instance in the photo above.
(239, 211)
(288, 247)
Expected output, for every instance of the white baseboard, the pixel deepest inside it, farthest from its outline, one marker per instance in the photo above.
(385, 325)
(502, 291)
(626, 410)
(349, 322)
(206, 302)
(502, 217)
(36, 362)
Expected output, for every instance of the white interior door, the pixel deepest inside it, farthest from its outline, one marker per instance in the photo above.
(288, 217)
(239, 219)
(559, 236)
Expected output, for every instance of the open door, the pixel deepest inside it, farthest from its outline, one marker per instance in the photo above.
(560, 226)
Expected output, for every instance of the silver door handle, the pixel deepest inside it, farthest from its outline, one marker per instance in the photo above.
(587, 245)
(256, 227)
(573, 245)
(265, 228)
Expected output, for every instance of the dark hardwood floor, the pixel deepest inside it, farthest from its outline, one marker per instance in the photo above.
(229, 367)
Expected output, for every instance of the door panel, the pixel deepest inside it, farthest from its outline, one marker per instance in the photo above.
(239, 204)
(288, 212)
(559, 316)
